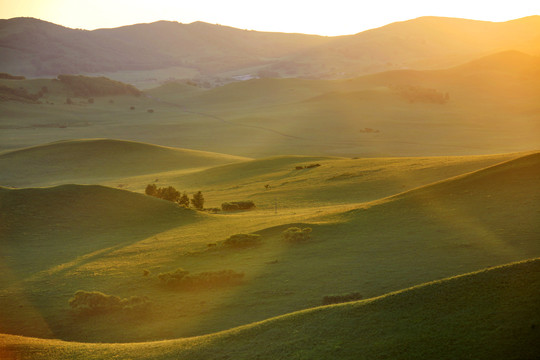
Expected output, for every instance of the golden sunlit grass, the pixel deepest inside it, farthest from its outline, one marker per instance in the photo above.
(378, 224)
(486, 314)
(454, 226)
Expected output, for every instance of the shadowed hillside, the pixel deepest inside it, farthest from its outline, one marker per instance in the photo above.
(77, 220)
(482, 315)
(95, 160)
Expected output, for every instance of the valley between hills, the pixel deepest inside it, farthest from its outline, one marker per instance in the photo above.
(412, 197)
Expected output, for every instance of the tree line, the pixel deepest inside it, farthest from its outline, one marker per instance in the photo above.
(171, 194)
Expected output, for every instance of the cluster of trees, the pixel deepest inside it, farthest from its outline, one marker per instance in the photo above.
(171, 194)
(422, 94)
(21, 94)
(7, 76)
(85, 86)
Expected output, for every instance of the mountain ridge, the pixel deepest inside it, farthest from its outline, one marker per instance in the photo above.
(34, 47)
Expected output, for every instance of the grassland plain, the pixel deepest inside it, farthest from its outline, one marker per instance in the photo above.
(487, 314)
(372, 242)
(397, 113)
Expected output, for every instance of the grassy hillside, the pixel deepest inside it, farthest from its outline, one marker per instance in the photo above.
(444, 229)
(336, 181)
(482, 315)
(77, 220)
(483, 107)
(96, 160)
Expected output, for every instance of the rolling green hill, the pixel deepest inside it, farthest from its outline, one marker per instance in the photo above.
(486, 106)
(482, 315)
(77, 220)
(97, 160)
(464, 223)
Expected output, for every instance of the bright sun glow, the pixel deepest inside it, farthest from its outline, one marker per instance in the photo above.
(338, 17)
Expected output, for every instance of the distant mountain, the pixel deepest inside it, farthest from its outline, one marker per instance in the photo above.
(33, 47)
(422, 43)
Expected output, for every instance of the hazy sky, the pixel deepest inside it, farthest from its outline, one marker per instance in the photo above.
(336, 17)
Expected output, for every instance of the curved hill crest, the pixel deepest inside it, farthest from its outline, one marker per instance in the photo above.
(92, 160)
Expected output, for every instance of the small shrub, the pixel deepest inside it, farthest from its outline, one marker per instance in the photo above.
(132, 108)
(298, 167)
(336, 299)
(238, 205)
(150, 110)
(295, 234)
(310, 166)
(242, 240)
(173, 278)
(230, 206)
(95, 302)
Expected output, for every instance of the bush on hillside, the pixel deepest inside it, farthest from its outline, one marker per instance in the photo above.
(310, 166)
(237, 205)
(182, 279)
(295, 234)
(337, 299)
(242, 240)
(95, 302)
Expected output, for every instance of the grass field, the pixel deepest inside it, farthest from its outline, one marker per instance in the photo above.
(485, 315)
(396, 113)
(351, 162)
(378, 225)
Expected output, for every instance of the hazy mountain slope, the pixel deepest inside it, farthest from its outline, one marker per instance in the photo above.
(487, 314)
(422, 43)
(95, 160)
(34, 47)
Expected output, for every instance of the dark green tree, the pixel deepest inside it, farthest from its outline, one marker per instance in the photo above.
(169, 193)
(198, 200)
(183, 200)
(151, 189)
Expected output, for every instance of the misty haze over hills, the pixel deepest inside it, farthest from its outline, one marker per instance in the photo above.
(34, 48)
